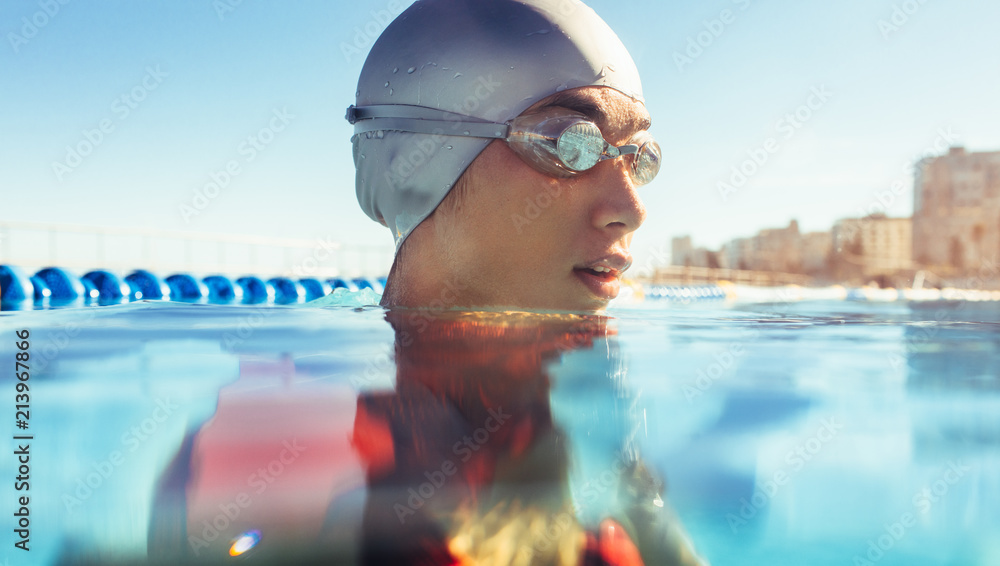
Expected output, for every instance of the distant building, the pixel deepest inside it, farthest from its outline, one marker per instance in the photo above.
(783, 250)
(680, 250)
(874, 247)
(956, 212)
(736, 254)
(683, 253)
(816, 249)
(778, 249)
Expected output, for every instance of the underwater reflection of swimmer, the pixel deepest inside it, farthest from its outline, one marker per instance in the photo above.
(261, 476)
(462, 462)
(466, 464)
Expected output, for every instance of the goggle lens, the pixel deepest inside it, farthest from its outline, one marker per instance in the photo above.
(646, 162)
(580, 147)
(564, 144)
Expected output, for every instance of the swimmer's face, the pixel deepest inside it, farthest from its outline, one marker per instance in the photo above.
(515, 237)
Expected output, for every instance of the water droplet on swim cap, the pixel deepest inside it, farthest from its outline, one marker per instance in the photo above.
(395, 70)
(410, 70)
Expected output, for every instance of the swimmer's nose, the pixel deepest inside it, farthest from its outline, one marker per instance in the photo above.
(618, 206)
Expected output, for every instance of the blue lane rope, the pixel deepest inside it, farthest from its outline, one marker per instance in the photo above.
(57, 287)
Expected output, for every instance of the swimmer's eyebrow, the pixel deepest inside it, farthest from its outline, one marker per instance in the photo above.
(586, 106)
(577, 103)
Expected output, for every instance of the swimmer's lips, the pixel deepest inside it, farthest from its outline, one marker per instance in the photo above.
(603, 277)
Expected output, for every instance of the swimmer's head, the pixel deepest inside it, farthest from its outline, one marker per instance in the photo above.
(446, 71)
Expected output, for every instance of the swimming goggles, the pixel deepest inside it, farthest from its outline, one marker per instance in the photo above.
(555, 141)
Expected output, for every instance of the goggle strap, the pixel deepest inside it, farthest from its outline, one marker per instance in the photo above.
(355, 113)
(421, 120)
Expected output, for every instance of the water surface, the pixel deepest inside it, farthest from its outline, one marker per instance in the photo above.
(786, 433)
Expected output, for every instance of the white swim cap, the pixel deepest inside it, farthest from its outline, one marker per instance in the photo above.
(482, 60)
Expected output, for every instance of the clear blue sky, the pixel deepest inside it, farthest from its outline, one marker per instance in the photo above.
(217, 80)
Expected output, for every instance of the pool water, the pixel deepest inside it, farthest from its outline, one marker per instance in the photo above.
(815, 432)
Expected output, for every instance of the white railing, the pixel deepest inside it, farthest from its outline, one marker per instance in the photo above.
(679, 274)
(33, 245)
